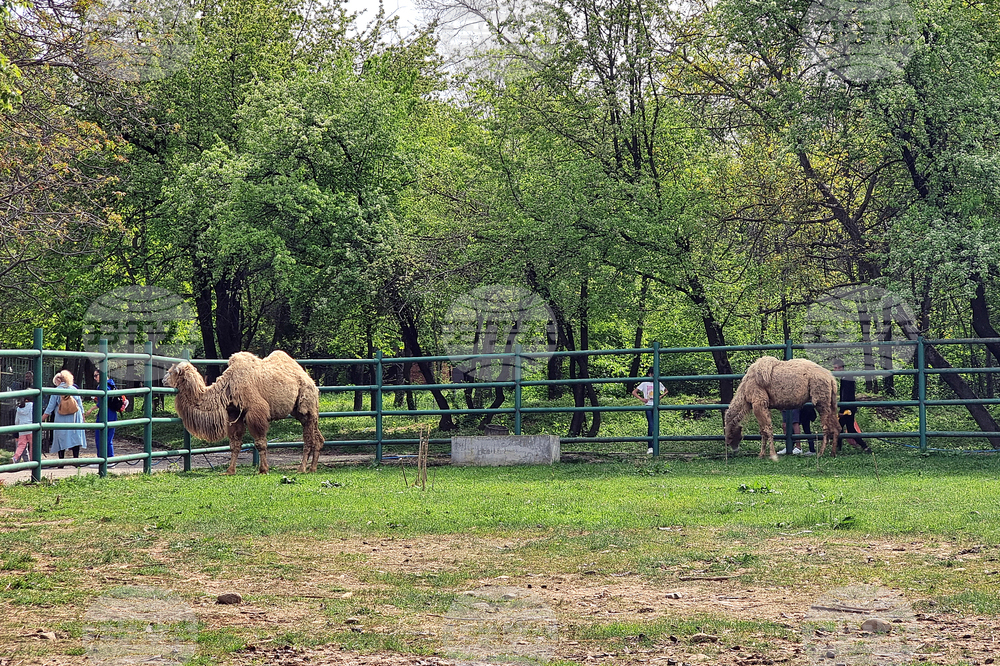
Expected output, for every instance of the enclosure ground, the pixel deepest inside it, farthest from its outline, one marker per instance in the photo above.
(761, 621)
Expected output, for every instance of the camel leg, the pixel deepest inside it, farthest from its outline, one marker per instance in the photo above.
(307, 445)
(763, 415)
(318, 441)
(306, 448)
(831, 429)
(312, 442)
(258, 425)
(261, 447)
(236, 432)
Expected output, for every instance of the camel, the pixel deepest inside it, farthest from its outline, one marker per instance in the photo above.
(251, 393)
(773, 384)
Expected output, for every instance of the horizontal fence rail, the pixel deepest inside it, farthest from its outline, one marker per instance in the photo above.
(515, 385)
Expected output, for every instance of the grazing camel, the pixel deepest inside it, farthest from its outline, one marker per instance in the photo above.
(773, 384)
(251, 393)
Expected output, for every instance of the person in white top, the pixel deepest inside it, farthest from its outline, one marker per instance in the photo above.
(644, 392)
(23, 416)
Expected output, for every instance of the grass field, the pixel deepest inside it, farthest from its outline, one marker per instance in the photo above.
(637, 561)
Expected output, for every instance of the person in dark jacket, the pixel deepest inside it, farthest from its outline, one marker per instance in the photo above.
(115, 405)
(849, 393)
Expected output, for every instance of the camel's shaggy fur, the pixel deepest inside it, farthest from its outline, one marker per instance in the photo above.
(773, 384)
(251, 393)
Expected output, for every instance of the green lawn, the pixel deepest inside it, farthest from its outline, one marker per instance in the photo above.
(927, 526)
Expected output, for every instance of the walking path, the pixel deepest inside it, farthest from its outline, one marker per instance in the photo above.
(286, 459)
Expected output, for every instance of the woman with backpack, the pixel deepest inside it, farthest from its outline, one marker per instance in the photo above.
(65, 409)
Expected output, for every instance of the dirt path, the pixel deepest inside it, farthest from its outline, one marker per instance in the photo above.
(278, 459)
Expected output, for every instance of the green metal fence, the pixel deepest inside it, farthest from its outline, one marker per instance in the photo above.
(516, 410)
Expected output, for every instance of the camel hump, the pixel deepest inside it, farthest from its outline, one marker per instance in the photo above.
(807, 365)
(279, 356)
(761, 370)
(243, 359)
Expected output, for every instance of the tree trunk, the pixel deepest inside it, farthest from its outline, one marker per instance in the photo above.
(865, 321)
(961, 388)
(411, 346)
(981, 318)
(885, 352)
(411, 404)
(634, 368)
(356, 376)
(554, 366)
(584, 360)
(583, 391)
(203, 306)
(716, 338)
(370, 370)
(576, 421)
(506, 369)
(923, 324)
(228, 316)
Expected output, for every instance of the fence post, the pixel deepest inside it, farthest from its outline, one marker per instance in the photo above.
(517, 388)
(147, 410)
(256, 453)
(187, 435)
(101, 436)
(378, 406)
(655, 390)
(922, 394)
(37, 408)
(785, 425)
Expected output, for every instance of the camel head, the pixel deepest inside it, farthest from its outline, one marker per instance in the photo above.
(182, 373)
(734, 431)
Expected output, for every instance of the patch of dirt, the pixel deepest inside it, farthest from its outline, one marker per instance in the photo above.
(327, 571)
(588, 599)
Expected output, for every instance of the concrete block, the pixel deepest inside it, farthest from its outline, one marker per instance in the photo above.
(499, 450)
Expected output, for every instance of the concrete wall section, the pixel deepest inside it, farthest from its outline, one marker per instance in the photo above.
(499, 450)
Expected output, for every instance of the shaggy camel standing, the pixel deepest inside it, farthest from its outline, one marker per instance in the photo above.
(251, 393)
(773, 384)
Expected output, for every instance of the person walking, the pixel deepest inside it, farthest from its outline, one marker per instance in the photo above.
(65, 409)
(645, 393)
(116, 404)
(790, 420)
(801, 420)
(23, 416)
(848, 393)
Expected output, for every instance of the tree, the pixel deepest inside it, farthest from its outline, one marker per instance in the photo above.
(58, 164)
(852, 138)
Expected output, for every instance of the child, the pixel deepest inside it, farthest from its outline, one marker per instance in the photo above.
(23, 416)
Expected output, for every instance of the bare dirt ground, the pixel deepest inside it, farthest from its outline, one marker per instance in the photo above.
(579, 599)
(535, 615)
(557, 604)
